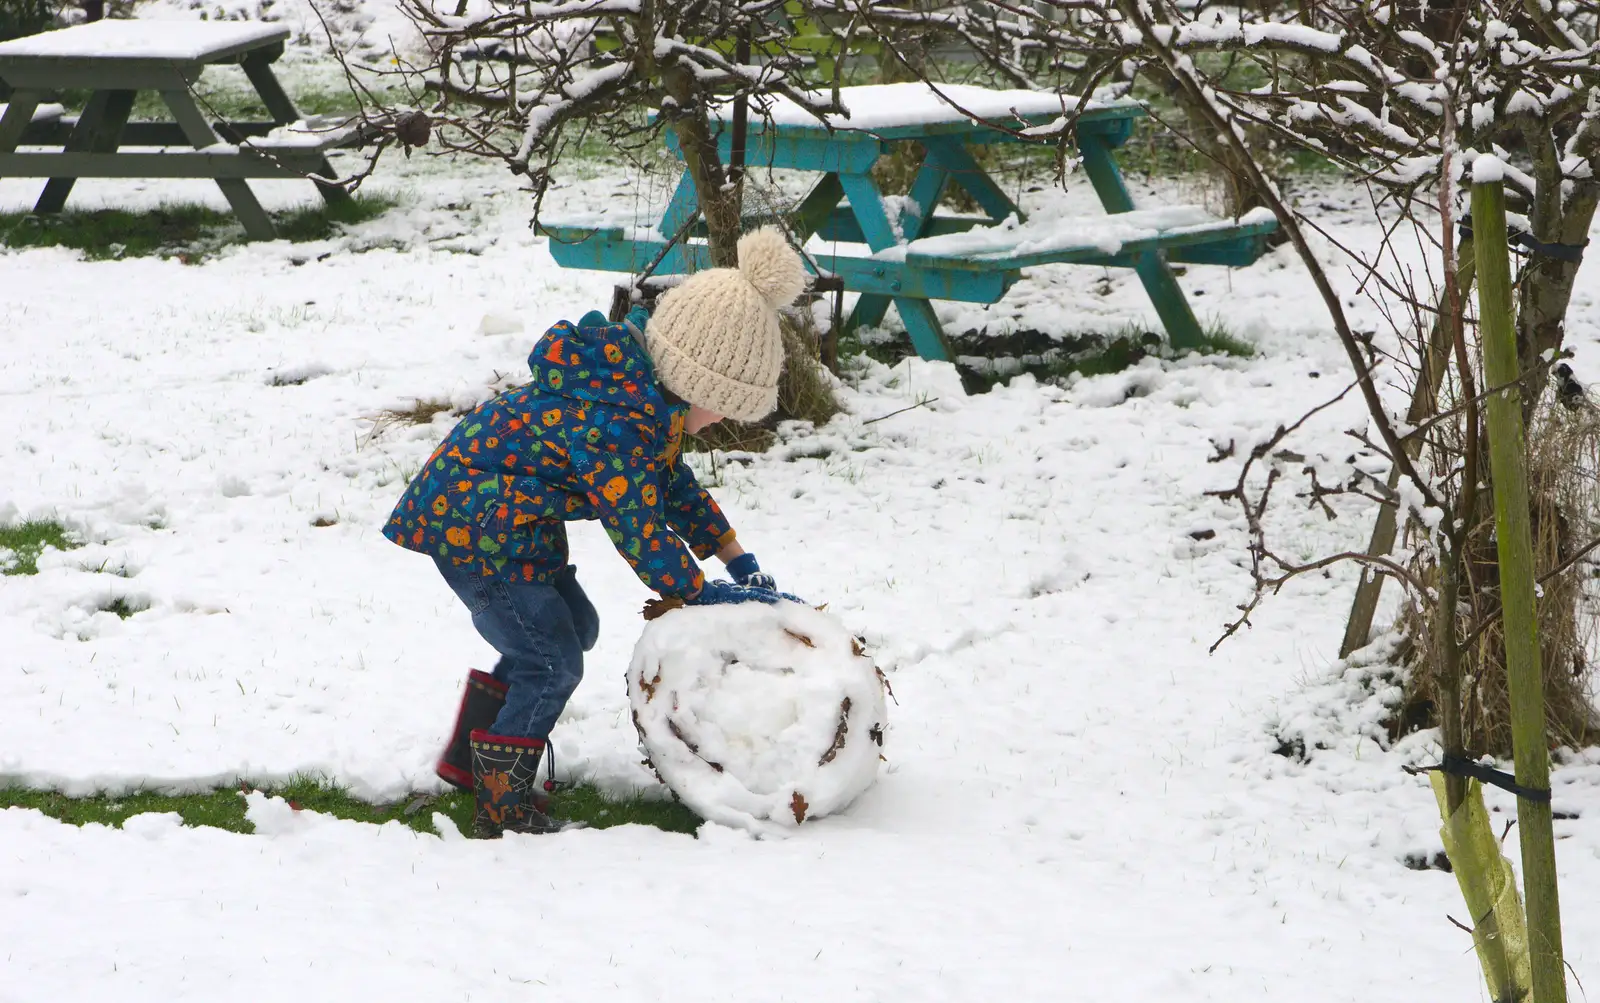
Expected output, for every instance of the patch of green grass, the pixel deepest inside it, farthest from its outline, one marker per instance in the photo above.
(188, 232)
(986, 361)
(851, 343)
(229, 100)
(224, 808)
(590, 804)
(104, 234)
(1218, 340)
(26, 541)
(319, 222)
(334, 102)
(122, 607)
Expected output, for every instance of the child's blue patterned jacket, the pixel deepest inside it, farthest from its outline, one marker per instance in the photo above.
(589, 437)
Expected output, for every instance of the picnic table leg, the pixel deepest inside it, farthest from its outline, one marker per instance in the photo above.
(948, 153)
(927, 188)
(927, 334)
(99, 130)
(18, 116)
(1183, 330)
(866, 203)
(257, 224)
(685, 203)
(809, 217)
(813, 211)
(258, 67)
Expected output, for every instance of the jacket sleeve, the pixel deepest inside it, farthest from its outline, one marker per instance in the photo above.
(626, 494)
(693, 514)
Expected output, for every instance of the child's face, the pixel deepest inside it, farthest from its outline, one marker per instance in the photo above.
(699, 418)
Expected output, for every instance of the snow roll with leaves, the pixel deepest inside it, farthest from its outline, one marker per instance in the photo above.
(758, 716)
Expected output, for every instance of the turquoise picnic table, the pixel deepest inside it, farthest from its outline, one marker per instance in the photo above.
(116, 59)
(912, 253)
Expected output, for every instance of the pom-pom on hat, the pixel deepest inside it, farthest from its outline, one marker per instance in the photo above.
(715, 340)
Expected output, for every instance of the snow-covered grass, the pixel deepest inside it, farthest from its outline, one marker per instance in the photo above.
(21, 545)
(188, 231)
(1061, 357)
(225, 808)
(224, 92)
(1076, 793)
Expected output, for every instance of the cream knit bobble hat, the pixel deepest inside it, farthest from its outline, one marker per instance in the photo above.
(714, 339)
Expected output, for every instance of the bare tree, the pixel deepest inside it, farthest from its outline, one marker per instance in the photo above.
(1383, 88)
(1402, 96)
(520, 82)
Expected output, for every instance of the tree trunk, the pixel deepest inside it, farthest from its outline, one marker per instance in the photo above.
(904, 58)
(721, 200)
(1424, 402)
(1546, 283)
(1240, 193)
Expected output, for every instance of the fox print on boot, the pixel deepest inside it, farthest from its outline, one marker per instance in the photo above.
(480, 705)
(505, 775)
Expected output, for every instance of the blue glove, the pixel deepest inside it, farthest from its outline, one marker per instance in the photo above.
(721, 593)
(638, 317)
(746, 571)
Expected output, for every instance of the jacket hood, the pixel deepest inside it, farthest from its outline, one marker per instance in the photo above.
(603, 363)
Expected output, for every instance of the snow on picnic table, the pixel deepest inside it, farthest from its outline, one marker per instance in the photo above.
(887, 106)
(41, 113)
(176, 41)
(1076, 793)
(1046, 234)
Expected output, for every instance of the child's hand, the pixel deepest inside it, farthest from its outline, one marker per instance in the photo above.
(721, 593)
(747, 572)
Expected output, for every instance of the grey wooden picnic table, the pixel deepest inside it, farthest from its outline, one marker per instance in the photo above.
(115, 60)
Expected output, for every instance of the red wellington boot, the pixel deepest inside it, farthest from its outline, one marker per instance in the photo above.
(508, 795)
(480, 705)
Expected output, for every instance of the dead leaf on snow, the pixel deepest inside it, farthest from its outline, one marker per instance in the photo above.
(649, 688)
(838, 735)
(801, 638)
(677, 733)
(886, 687)
(655, 609)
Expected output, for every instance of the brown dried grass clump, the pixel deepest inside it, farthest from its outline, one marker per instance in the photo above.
(421, 412)
(1564, 488)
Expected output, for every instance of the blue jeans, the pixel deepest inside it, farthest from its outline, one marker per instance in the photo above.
(541, 632)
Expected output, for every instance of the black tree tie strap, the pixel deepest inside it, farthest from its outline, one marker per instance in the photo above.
(1561, 252)
(1460, 766)
(1533, 245)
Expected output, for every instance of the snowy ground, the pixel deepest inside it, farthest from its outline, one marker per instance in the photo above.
(1079, 800)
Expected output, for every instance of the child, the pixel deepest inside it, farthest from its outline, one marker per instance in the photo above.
(596, 434)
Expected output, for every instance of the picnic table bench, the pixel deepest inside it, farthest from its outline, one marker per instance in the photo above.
(117, 59)
(913, 253)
